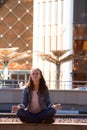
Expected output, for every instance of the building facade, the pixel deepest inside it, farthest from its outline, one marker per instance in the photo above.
(16, 30)
(80, 41)
(59, 41)
(56, 33)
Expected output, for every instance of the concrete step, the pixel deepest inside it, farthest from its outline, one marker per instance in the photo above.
(25, 126)
(18, 125)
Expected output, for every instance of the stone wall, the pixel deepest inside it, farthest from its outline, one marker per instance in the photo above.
(9, 97)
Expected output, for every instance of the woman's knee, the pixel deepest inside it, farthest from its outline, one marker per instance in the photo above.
(20, 112)
(53, 111)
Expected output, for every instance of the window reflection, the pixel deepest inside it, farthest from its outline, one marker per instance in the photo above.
(80, 54)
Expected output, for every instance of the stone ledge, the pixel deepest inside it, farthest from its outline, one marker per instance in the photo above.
(59, 113)
(24, 126)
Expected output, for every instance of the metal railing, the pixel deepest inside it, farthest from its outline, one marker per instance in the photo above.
(63, 85)
(11, 83)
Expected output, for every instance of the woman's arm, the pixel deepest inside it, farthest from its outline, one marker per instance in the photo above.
(24, 101)
(25, 98)
(47, 99)
(50, 104)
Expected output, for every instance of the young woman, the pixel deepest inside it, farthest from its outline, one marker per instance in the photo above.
(36, 106)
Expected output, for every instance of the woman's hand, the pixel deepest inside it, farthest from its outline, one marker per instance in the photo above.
(16, 108)
(57, 106)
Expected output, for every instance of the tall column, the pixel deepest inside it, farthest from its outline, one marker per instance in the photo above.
(41, 39)
(5, 71)
(60, 24)
(35, 33)
(44, 38)
(66, 68)
(38, 34)
(53, 66)
(47, 42)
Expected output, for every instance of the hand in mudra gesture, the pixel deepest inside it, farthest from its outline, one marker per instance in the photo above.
(58, 106)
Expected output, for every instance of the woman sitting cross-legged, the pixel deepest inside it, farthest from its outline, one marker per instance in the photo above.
(36, 106)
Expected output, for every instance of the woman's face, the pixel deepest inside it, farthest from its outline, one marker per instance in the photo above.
(35, 75)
